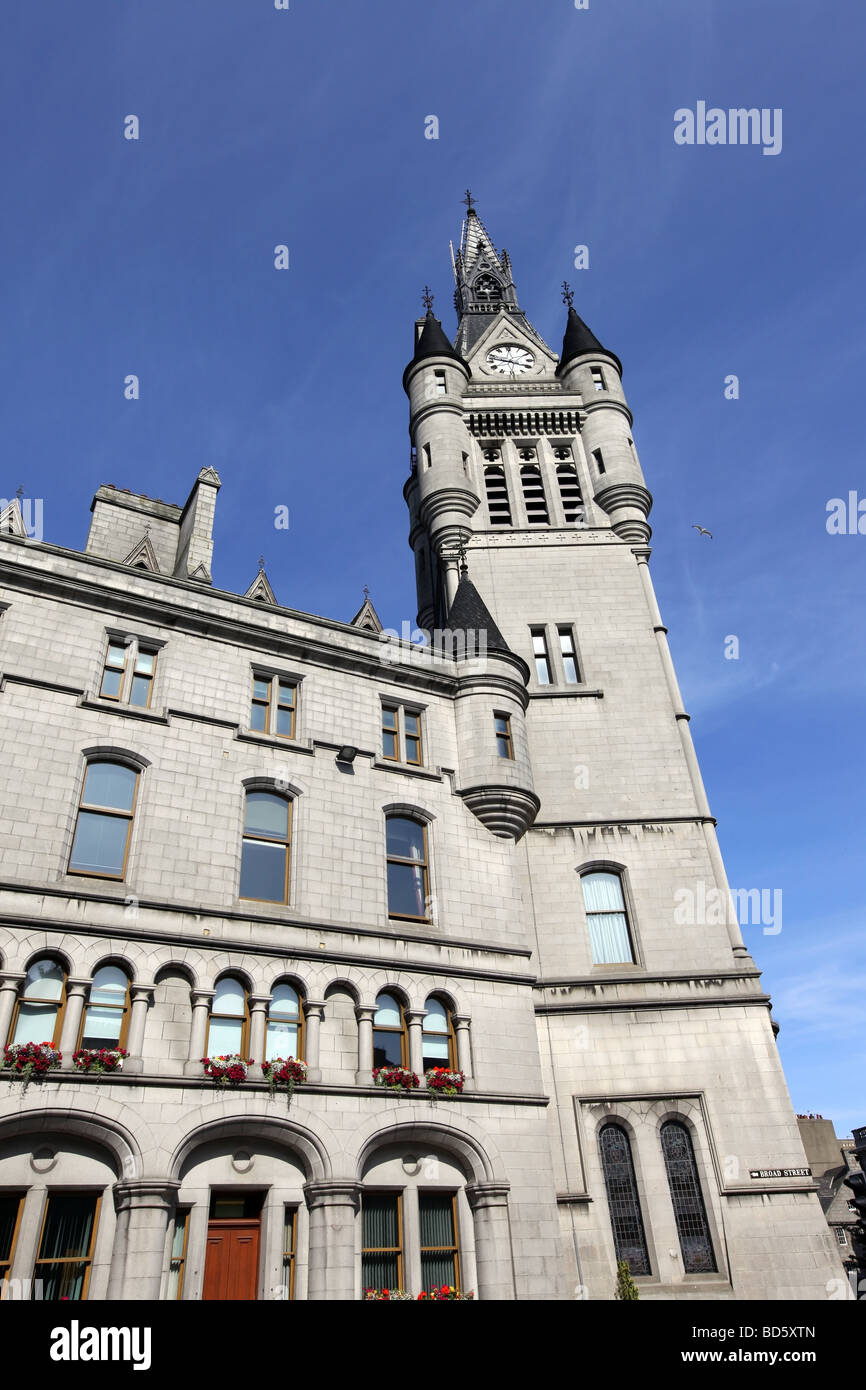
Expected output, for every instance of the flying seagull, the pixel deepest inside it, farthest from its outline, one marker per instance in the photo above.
(702, 531)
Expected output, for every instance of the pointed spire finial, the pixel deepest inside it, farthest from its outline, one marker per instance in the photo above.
(567, 294)
(261, 564)
(366, 592)
(20, 491)
(469, 201)
(461, 557)
(427, 297)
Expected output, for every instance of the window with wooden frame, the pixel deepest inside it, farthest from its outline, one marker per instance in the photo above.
(63, 1264)
(11, 1207)
(440, 1254)
(437, 1036)
(265, 848)
(569, 655)
(106, 1018)
(177, 1255)
(401, 735)
(274, 705)
(381, 1240)
(502, 728)
(607, 919)
(103, 827)
(284, 1036)
(38, 1015)
(290, 1246)
(229, 1022)
(128, 672)
(540, 655)
(406, 851)
(390, 1043)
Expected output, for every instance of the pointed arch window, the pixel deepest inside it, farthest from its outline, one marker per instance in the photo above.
(228, 1025)
(607, 919)
(265, 852)
(498, 505)
(39, 1012)
(629, 1237)
(390, 1044)
(406, 851)
(488, 289)
(103, 828)
(569, 493)
(688, 1201)
(534, 496)
(106, 1017)
(284, 1036)
(437, 1036)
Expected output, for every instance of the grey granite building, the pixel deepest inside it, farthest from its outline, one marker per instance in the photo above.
(233, 829)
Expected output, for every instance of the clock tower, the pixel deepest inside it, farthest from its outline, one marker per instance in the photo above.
(529, 521)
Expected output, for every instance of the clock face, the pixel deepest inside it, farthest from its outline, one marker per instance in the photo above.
(510, 360)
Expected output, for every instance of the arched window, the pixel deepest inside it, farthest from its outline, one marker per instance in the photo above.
(228, 1026)
(102, 830)
(107, 1014)
(406, 850)
(438, 1036)
(39, 1012)
(569, 492)
(284, 1037)
(607, 919)
(390, 1046)
(265, 854)
(498, 504)
(629, 1238)
(488, 289)
(533, 496)
(691, 1216)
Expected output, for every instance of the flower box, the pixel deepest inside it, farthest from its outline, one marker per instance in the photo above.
(395, 1078)
(387, 1296)
(444, 1082)
(446, 1293)
(227, 1070)
(284, 1071)
(99, 1060)
(32, 1061)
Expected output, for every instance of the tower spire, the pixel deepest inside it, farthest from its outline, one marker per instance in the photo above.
(484, 282)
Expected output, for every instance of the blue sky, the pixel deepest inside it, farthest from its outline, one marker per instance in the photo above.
(306, 127)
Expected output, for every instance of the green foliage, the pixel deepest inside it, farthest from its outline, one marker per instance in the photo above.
(626, 1288)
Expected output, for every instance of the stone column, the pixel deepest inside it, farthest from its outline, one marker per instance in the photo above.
(258, 1024)
(144, 1207)
(314, 1012)
(141, 998)
(415, 1022)
(333, 1206)
(76, 993)
(365, 1013)
(464, 1055)
(493, 1254)
(10, 984)
(201, 1002)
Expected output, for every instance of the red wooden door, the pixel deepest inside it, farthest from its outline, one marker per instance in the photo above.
(232, 1264)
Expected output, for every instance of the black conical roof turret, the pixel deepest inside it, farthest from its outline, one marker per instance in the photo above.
(433, 341)
(580, 340)
(470, 614)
